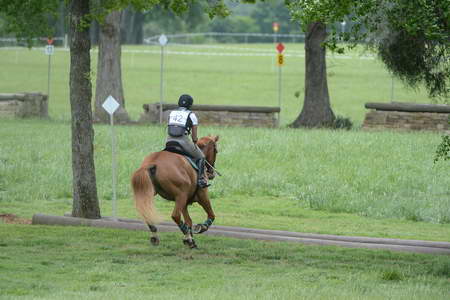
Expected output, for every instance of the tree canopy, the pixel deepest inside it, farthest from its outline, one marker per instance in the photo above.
(412, 37)
(137, 21)
(28, 19)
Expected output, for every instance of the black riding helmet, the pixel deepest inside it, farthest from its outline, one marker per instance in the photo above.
(185, 101)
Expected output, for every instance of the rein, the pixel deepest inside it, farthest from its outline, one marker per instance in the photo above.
(212, 167)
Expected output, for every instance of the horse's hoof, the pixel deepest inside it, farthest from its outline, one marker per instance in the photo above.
(190, 243)
(154, 240)
(199, 228)
(193, 245)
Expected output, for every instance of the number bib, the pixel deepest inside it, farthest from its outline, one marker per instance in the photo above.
(178, 117)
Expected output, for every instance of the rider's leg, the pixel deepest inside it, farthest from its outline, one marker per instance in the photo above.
(197, 154)
(201, 178)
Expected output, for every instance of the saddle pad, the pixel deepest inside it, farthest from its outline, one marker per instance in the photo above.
(176, 148)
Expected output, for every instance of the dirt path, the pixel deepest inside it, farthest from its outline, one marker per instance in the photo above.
(13, 219)
(416, 246)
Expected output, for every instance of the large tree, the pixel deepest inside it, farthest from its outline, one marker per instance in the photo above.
(109, 70)
(316, 111)
(412, 37)
(29, 19)
(85, 201)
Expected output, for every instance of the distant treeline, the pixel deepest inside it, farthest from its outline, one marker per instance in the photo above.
(245, 18)
(135, 26)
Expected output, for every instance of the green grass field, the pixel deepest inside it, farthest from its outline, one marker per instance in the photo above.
(380, 184)
(38, 262)
(380, 175)
(215, 79)
(272, 178)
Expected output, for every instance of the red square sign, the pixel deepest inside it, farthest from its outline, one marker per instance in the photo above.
(280, 47)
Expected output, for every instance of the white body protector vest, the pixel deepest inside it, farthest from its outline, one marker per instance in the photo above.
(179, 122)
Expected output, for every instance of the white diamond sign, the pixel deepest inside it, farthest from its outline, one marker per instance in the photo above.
(163, 40)
(110, 105)
(49, 49)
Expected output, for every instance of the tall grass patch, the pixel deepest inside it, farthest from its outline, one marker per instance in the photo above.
(378, 174)
(375, 174)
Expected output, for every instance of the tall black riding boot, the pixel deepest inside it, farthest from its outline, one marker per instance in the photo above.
(201, 180)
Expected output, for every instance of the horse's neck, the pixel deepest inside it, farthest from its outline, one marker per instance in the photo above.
(208, 149)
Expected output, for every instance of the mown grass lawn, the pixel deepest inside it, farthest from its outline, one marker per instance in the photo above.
(222, 80)
(381, 184)
(38, 262)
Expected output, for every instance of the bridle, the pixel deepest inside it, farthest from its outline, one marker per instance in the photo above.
(210, 167)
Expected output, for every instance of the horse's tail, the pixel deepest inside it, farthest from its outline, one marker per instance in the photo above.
(144, 192)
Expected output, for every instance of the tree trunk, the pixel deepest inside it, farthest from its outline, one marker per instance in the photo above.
(138, 32)
(61, 22)
(109, 74)
(94, 32)
(316, 110)
(85, 201)
(131, 26)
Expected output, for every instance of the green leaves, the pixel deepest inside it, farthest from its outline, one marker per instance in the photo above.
(29, 18)
(412, 36)
(443, 150)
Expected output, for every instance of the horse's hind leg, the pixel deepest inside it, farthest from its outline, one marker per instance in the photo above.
(154, 239)
(186, 229)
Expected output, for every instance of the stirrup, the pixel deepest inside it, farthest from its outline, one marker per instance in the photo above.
(202, 183)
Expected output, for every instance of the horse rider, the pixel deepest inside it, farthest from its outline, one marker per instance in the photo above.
(182, 123)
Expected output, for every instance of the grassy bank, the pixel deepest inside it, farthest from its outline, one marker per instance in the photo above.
(87, 263)
(315, 180)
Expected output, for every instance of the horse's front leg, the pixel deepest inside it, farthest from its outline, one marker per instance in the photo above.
(206, 204)
(188, 238)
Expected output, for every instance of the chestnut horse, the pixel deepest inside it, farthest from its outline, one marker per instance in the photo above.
(172, 177)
